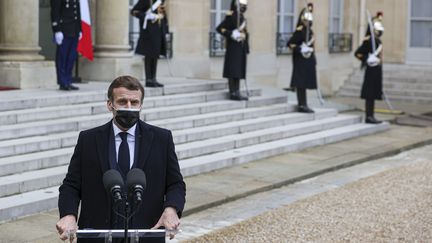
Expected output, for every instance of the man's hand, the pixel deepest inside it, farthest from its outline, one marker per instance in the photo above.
(169, 220)
(67, 227)
(80, 35)
(58, 37)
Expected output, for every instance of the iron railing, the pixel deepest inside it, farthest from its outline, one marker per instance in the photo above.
(169, 39)
(340, 42)
(281, 43)
(216, 45)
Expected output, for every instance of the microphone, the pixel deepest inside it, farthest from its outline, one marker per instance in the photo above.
(136, 183)
(113, 183)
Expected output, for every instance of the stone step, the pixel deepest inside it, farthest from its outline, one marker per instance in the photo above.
(81, 123)
(26, 203)
(410, 99)
(210, 139)
(392, 92)
(35, 161)
(260, 135)
(37, 179)
(16, 100)
(94, 108)
(358, 79)
(227, 158)
(15, 147)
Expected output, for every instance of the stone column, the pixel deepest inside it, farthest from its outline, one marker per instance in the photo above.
(111, 44)
(20, 64)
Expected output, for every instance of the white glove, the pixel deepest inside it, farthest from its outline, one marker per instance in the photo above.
(305, 49)
(80, 35)
(58, 36)
(151, 16)
(372, 60)
(236, 35)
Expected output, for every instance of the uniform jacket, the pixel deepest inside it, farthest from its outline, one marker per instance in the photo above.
(95, 154)
(304, 69)
(66, 17)
(151, 41)
(236, 52)
(373, 78)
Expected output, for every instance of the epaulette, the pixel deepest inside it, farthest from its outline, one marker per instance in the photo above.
(229, 13)
(299, 28)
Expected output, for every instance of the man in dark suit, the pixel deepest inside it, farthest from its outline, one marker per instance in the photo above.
(100, 149)
(66, 27)
(151, 42)
(237, 47)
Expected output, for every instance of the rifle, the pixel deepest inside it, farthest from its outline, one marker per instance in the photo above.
(242, 27)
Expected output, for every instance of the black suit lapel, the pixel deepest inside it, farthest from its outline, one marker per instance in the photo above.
(143, 143)
(102, 146)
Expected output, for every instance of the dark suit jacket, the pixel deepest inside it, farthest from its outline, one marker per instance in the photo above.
(66, 17)
(95, 154)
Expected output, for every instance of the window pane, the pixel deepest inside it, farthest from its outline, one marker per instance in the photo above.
(288, 24)
(226, 4)
(421, 8)
(421, 34)
(213, 21)
(335, 26)
(213, 4)
(289, 6)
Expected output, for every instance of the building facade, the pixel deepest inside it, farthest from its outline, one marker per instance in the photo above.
(26, 47)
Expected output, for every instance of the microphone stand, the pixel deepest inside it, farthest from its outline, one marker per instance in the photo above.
(126, 221)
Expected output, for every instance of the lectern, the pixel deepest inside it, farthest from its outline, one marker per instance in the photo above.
(133, 234)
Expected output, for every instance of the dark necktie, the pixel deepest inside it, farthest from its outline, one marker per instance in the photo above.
(124, 157)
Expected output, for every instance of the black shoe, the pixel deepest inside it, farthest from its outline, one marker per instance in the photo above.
(372, 120)
(150, 83)
(65, 88)
(71, 87)
(237, 96)
(157, 83)
(304, 109)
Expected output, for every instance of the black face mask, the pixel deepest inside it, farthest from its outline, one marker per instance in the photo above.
(243, 8)
(126, 118)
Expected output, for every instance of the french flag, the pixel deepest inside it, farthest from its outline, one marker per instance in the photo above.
(85, 46)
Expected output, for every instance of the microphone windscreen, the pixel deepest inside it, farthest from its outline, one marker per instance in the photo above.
(112, 178)
(136, 177)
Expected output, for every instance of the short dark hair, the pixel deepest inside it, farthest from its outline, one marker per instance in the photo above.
(127, 82)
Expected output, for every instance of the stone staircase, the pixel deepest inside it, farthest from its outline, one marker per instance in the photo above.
(404, 83)
(38, 131)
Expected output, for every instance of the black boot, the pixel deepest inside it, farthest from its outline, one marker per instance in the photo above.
(235, 93)
(153, 72)
(302, 101)
(369, 108)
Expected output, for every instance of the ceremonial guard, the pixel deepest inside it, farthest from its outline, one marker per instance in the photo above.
(66, 26)
(151, 42)
(235, 31)
(370, 55)
(304, 62)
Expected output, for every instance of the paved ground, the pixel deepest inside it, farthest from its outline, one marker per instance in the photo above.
(392, 205)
